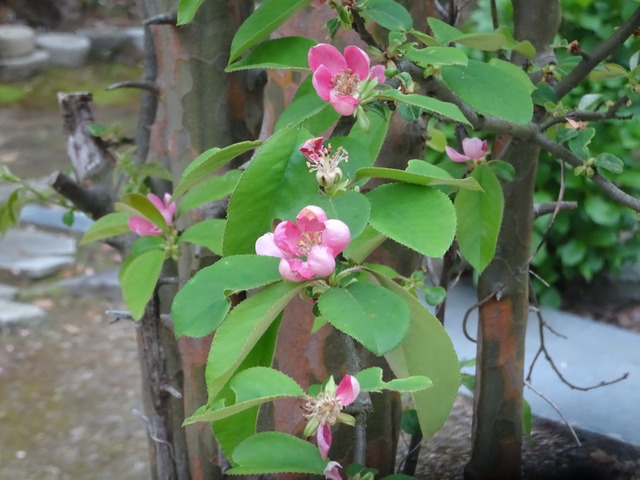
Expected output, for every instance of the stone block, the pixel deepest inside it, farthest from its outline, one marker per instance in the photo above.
(65, 49)
(16, 41)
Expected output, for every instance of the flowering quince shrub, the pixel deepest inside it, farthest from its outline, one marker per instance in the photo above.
(299, 224)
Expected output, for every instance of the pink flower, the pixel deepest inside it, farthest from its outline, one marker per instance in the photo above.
(325, 411)
(314, 237)
(337, 78)
(321, 160)
(474, 149)
(331, 471)
(144, 227)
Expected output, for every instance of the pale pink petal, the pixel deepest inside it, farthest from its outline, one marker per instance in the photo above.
(321, 261)
(455, 156)
(357, 61)
(327, 55)
(323, 438)
(294, 269)
(474, 148)
(331, 471)
(322, 81)
(378, 72)
(286, 236)
(343, 105)
(312, 148)
(348, 389)
(336, 235)
(159, 204)
(143, 227)
(311, 219)
(265, 245)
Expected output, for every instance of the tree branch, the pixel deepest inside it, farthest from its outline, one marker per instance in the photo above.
(601, 52)
(545, 208)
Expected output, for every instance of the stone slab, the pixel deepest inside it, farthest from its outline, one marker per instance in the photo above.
(51, 217)
(104, 284)
(65, 49)
(39, 267)
(16, 41)
(14, 314)
(8, 292)
(592, 352)
(25, 67)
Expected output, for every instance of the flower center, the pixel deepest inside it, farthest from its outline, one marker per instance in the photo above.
(325, 408)
(346, 83)
(308, 240)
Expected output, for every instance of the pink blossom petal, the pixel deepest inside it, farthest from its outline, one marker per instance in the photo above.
(322, 81)
(327, 55)
(331, 471)
(311, 219)
(357, 61)
(343, 105)
(321, 261)
(312, 149)
(159, 204)
(265, 245)
(336, 235)
(474, 148)
(456, 156)
(323, 438)
(143, 227)
(286, 237)
(378, 72)
(294, 269)
(348, 389)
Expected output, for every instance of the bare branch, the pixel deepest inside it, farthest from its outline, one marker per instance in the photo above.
(600, 53)
(134, 84)
(161, 19)
(545, 208)
(584, 116)
(93, 202)
(364, 34)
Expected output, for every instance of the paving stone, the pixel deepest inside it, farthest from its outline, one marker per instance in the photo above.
(14, 314)
(107, 42)
(65, 49)
(16, 41)
(25, 67)
(8, 292)
(36, 254)
(104, 284)
(51, 217)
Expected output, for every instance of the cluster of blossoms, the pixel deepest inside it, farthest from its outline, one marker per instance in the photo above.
(325, 410)
(313, 237)
(144, 227)
(321, 160)
(343, 80)
(474, 149)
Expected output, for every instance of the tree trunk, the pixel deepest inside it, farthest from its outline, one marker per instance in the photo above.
(497, 419)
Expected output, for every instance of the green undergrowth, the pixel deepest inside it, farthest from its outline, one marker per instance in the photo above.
(40, 91)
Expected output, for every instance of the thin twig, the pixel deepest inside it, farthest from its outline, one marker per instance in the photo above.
(558, 411)
(545, 208)
(588, 116)
(134, 84)
(364, 34)
(161, 19)
(601, 52)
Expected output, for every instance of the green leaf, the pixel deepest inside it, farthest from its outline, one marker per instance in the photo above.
(527, 418)
(108, 226)
(543, 94)
(514, 72)
(309, 110)
(426, 350)
(275, 452)
(417, 178)
(601, 211)
(479, 218)
(434, 295)
(141, 206)
(491, 90)
(289, 53)
(425, 168)
(428, 40)
(187, 10)
(489, 42)
(362, 245)
(262, 22)
(410, 423)
(207, 233)
(370, 380)
(201, 305)
(609, 162)
(369, 313)
(138, 277)
(242, 329)
(153, 169)
(276, 184)
(252, 387)
(388, 14)
(444, 32)
(436, 56)
(208, 162)
(209, 190)
(429, 104)
(502, 169)
(421, 218)
(610, 70)
(351, 207)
